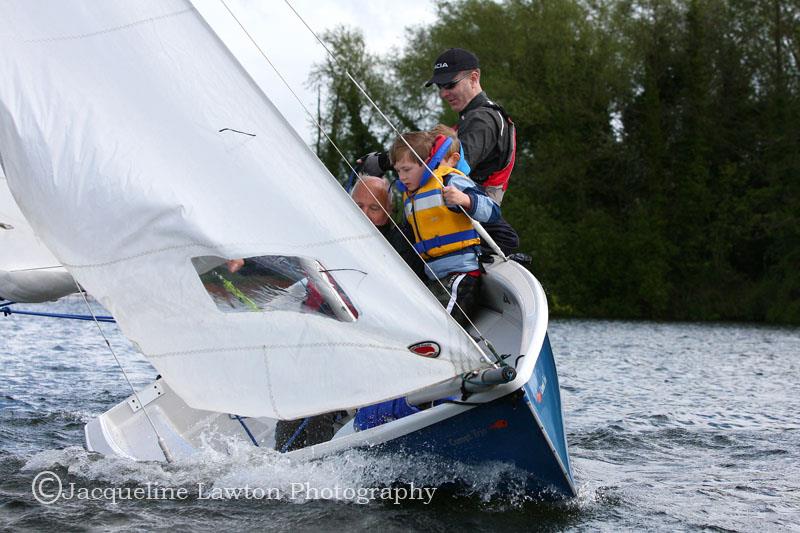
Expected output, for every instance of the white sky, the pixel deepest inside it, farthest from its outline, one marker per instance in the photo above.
(293, 49)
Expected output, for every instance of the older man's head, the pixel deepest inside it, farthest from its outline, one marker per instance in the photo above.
(371, 194)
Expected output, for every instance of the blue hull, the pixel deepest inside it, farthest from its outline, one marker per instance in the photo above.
(524, 428)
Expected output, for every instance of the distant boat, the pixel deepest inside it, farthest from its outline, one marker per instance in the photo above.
(145, 156)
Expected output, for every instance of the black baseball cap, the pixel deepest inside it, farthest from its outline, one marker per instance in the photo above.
(451, 62)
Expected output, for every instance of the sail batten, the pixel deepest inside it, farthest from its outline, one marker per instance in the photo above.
(116, 148)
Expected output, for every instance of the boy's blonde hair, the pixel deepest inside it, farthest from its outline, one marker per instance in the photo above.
(422, 142)
(447, 131)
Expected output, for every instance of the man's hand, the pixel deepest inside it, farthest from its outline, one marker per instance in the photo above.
(234, 265)
(454, 197)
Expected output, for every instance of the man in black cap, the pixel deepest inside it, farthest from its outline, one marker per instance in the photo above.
(484, 129)
(487, 134)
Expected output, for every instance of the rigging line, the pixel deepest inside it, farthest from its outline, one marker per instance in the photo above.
(247, 430)
(488, 344)
(296, 434)
(318, 125)
(475, 223)
(288, 86)
(37, 268)
(366, 95)
(8, 311)
(363, 91)
(161, 442)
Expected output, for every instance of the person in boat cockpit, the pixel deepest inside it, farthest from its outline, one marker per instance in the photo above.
(443, 234)
(439, 208)
(371, 195)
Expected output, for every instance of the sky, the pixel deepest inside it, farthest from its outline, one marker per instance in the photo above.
(293, 49)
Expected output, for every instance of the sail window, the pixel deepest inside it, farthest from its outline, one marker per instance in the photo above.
(273, 283)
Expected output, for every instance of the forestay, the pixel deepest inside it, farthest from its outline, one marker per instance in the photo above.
(28, 271)
(143, 155)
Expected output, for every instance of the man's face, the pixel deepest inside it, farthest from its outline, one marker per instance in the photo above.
(371, 207)
(410, 172)
(462, 92)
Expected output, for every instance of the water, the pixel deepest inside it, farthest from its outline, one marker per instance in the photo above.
(670, 427)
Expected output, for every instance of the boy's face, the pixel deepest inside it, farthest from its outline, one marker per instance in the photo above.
(410, 172)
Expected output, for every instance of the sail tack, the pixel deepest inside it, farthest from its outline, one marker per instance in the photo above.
(138, 148)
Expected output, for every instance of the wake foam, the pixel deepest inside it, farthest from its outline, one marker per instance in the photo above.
(337, 477)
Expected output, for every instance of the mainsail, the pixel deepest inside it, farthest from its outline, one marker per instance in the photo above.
(144, 156)
(28, 271)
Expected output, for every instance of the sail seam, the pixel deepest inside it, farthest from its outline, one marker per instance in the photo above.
(216, 247)
(107, 30)
(265, 347)
(269, 383)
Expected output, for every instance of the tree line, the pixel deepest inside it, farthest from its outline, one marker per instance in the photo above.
(658, 168)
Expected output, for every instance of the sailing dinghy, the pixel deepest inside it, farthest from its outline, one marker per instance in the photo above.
(145, 156)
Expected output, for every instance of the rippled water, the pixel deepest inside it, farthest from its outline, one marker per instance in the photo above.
(670, 427)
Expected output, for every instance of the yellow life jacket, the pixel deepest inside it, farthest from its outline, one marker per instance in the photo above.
(438, 230)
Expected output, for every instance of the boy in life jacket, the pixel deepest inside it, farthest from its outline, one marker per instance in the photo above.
(435, 206)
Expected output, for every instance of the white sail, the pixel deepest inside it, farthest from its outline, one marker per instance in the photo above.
(28, 271)
(144, 155)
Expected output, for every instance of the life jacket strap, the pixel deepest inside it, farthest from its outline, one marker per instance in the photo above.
(443, 240)
(501, 177)
(440, 147)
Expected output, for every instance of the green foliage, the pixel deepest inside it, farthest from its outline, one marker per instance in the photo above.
(658, 172)
(346, 116)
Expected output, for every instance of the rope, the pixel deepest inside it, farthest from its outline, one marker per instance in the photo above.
(296, 434)
(7, 311)
(286, 83)
(247, 430)
(397, 132)
(427, 168)
(161, 442)
(347, 162)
